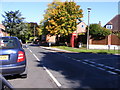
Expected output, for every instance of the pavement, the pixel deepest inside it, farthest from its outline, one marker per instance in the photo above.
(54, 49)
(60, 50)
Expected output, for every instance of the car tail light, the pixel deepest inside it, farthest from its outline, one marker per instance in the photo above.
(21, 56)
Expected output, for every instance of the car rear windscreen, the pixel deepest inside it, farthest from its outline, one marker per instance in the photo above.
(8, 43)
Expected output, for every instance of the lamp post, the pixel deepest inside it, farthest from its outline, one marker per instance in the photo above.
(89, 9)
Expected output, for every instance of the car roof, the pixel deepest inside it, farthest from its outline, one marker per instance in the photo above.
(9, 37)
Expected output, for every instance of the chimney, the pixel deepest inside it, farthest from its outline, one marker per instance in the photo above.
(100, 23)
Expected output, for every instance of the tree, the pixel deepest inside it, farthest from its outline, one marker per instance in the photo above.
(61, 18)
(13, 21)
(98, 32)
(15, 25)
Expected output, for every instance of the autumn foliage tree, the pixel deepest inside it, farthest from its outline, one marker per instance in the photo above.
(61, 18)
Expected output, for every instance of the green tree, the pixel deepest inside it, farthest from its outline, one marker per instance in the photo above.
(15, 25)
(61, 18)
(34, 29)
(14, 22)
(98, 32)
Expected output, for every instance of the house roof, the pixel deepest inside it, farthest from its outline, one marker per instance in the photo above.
(2, 27)
(115, 22)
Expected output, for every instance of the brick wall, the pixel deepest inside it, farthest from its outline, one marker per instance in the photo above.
(115, 40)
(99, 42)
(110, 40)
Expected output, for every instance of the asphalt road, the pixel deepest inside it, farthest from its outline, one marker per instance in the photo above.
(50, 69)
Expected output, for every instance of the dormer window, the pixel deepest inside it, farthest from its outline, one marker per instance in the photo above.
(109, 26)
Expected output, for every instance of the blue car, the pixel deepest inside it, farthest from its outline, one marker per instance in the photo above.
(12, 57)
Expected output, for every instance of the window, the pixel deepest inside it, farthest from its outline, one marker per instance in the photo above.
(6, 43)
(82, 26)
(109, 26)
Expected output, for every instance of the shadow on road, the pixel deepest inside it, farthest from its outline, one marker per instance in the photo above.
(11, 77)
(79, 75)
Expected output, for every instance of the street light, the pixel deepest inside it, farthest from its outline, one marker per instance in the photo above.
(89, 9)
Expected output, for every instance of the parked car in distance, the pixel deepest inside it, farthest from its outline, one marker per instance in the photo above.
(12, 57)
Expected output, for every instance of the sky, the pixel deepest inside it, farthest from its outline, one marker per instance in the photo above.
(33, 10)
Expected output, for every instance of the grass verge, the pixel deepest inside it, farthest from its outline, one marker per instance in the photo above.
(89, 50)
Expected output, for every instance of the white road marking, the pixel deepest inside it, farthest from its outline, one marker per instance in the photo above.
(96, 65)
(74, 59)
(92, 62)
(111, 68)
(92, 65)
(36, 57)
(84, 62)
(101, 65)
(117, 70)
(101, 68)
(49, 73)
(54, 79)
(78, 60)
(111, 72)
(29, 50)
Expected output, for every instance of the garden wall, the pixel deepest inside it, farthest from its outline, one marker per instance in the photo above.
(109, 40)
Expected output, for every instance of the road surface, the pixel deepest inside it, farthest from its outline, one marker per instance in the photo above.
(51, 69)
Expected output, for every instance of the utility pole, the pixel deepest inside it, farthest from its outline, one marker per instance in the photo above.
(34, 32)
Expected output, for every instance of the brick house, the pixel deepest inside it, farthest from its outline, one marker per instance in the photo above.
(81, 28)
(2, 30)
(114, 24)
(112, 40)
(75, 37)
(51, 39)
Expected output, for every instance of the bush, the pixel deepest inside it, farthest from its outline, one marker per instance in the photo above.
(98, 32)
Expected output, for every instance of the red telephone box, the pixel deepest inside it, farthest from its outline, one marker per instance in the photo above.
(73, 38)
